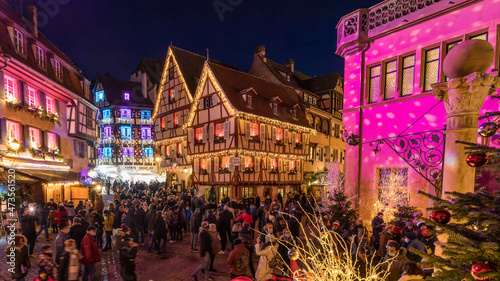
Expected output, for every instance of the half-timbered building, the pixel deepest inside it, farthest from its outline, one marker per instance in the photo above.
(246, 135)
(322, 96)
(45, 109)
(125, 146)
(178, 83)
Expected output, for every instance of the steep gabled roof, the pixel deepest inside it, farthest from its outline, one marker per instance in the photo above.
(70, 81)
(321, 83)
(233, 82)
(152, 67)
(115, 87)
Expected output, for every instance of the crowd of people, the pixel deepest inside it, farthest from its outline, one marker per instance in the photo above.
(148, 216)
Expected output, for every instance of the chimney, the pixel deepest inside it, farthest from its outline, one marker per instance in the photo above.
(32, 16)
(290, 64)
(261, 52)
(144, 84)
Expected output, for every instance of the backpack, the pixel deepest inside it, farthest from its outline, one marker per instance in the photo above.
(273, 262)
(242, 263)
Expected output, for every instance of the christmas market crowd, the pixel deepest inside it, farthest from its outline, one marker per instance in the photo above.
(152, 216)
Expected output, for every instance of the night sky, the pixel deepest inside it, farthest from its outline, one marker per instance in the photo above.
(102, 36)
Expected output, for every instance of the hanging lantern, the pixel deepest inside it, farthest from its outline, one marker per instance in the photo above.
(487, 129)
(477, 160)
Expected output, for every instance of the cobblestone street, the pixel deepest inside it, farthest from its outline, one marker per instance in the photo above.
(176, 264)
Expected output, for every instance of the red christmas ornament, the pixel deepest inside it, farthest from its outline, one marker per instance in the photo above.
(477, 160)
(441, 216)
(480, 267)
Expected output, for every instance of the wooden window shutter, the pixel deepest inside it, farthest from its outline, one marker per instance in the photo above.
(163, 151)
(227, 124)
(297, 165)
(327, 158)
(168, 124)
(262, 132)
(257, 164)
(242, 164)
(191, 135)
(201, 106)
(287, 166)
(59, 144)
(268, 166)
(196, 167)
(294, 137)
(231, 166)
(205, 133)
(211, 133)
(216, 99)
(285, 136)
(247, 130)
(25, 130)
(280, 165)
(216, 164)
(273, 134)
(175, 94)
(209, 165)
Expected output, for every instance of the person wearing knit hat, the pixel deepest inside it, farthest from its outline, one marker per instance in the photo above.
(59, 242)
(411, 241)
(91, 254)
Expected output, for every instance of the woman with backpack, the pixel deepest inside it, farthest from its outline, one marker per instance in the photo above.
(268, 253)
(239, 259)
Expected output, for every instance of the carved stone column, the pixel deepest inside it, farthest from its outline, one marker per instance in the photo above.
(463, 97)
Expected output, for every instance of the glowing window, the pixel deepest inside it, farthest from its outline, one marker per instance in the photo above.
(390, 80)
(224, 163)
(49, 104)
(374, 84)
(171, 94)
(126, 132)
(32, 98)
(128, 151)
(40, 56)
(107, 152)
(106, 133)
(58, 69)
(279, 134)
(298, 138)
(274, 163)
(13, 131)
(219, 131)
(18, 41)
(99, 96)
(145, 114)
(408, 75)
(106, 114)
(199, 134)
(126, 113)
(148, 152)
(176, 119)
(203, 166)
(126, 96)
(51, 141)
(431, 68)
(254, 130)
(146, 133)
(248, 162)
(10, 88)
(293, 165)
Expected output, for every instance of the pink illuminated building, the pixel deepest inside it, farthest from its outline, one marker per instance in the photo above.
(393, 53)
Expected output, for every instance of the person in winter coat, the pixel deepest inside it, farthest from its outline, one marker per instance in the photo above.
(246, 217)
(69, 262)
(52, 220)
(18, 258)
(42, 276)
(246, 239)
(205, 251)
(46, 261)
(122, 235)
(117, 223)
(394, 261)
(224, 227)
(377, 227)
(286, 243)
(172, 221)
(235, 257)
(43, 213)
(99, 204)
(267, 251)
(187, 218)
(210, 217)
(60, 239)
(151, 226)
(91, 255)
(215, 244)
(160, 232)
(139, 222)
(195, 224)
(28, 227)
(77, 232)
(109, 219)
(410, 241)
(70, 209)
(79, 207)
(61, 215)
(412, 272)
(128, 254)
(383, 239)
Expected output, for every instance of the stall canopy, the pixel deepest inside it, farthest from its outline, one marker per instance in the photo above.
(32, 176)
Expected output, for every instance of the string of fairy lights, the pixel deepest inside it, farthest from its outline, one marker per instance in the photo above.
(244, 152)
(170, 141)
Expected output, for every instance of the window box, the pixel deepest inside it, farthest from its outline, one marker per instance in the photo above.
(198, 142)
(298, 145)
(224, 171)
(203, 172)
(280, 142)
(254, 139)
(219, 139)
(249, 170)
(292, 172)
(273, 171)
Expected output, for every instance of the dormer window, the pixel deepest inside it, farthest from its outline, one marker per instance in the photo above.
(275, 108)
(294, 113)
(249, 101)
(58, 68)
(288, 78)
(40, 56)
(19, 41)
(126, 96)
(99, 96)
(172, 95)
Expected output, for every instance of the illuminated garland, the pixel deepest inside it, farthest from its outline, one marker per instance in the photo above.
(164, 79)
(244, 152)
(170, 141)
(232, 111)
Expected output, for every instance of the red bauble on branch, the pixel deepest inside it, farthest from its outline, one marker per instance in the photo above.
(441, 216)
(477, 160)
(480, 267)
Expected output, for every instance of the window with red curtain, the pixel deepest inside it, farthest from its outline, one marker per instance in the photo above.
(176, 119)
(254, 131)
(219, 131)
(224, 164)
(293, 166)
(198, 135)
(298, 139)
(179, 148)
(162, 123)
(249, 164)
(171, 94)
(280, 135)
(203, 166)
(274, 164)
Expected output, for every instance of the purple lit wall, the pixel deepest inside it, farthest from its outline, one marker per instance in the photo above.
(389, 118)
